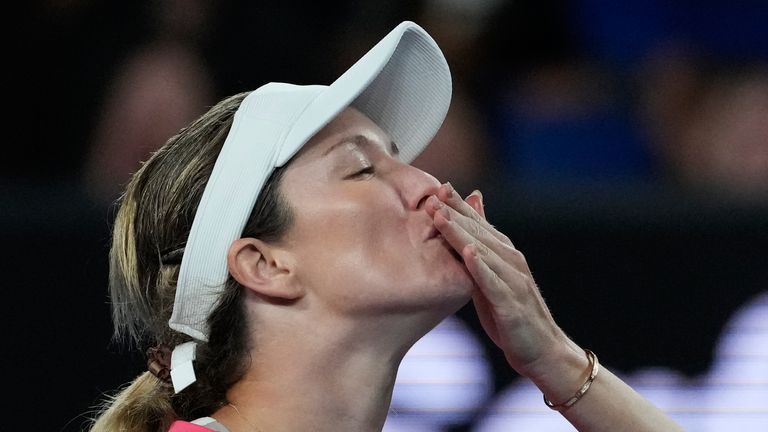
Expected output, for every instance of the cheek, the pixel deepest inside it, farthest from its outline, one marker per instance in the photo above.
(360, 249)
(357, 263)
(344, 249)
(343, 238)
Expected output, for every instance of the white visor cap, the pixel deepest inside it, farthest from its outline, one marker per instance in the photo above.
(403, 84)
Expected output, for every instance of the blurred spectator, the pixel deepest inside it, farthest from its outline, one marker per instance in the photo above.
(710, 124)
(560, 114)
(702, 70)
(569, 122)
(159, 88)
(576, 99)
(65, 51)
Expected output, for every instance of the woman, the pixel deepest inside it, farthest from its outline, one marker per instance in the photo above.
(281, 256)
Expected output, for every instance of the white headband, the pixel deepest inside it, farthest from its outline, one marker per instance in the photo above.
(403, 84)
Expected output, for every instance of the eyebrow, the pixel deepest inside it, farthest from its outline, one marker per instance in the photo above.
(361, 141)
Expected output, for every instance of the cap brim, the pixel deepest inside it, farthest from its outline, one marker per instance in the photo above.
(403, 84)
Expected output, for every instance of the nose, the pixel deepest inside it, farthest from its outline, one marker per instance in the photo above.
(414, 185)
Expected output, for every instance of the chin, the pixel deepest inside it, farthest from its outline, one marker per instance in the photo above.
(461, 297)
(448, 304)
(458, 278)
(455, 291)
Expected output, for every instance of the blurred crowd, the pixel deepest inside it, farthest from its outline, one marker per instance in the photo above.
(545, 92)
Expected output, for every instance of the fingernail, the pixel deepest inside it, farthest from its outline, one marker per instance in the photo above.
(435, 202)
(449, 188)
(479, 195)
(477, 205)
(446, 213)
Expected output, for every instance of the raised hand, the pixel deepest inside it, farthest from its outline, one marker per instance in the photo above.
(514, 315)
(509, 305)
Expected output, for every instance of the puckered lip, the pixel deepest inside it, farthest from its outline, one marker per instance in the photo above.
(433, 233)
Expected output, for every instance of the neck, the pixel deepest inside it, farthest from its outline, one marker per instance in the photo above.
(332, 377)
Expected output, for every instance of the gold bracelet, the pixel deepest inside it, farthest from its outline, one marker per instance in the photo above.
(594, 366)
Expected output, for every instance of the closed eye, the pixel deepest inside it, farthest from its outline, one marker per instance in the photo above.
(369, 170)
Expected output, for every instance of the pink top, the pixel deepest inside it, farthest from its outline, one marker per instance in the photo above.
(183, 426)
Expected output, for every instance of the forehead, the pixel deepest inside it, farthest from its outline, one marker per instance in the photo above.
(349, 122)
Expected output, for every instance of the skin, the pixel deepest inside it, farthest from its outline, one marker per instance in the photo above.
(515, 317)
(362, 275)
(358, 189)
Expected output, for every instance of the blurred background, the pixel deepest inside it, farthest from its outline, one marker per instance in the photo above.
(623, 146)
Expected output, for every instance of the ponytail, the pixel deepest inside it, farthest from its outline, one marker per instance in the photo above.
(155, 216)
(143, 406)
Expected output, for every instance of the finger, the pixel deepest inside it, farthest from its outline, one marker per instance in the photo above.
(447, 195)
(475, 201)
(434, 204)
(486, 316)
(500, 294)
(494, 286)
(461, 231)
(477, 227)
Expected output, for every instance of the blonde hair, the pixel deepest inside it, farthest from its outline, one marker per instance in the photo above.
(155, 215)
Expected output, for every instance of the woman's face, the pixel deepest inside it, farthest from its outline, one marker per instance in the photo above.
(362, 239)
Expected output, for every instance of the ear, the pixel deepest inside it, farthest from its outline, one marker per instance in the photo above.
(262, 268)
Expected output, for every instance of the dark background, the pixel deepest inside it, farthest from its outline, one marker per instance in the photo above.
(638, 259)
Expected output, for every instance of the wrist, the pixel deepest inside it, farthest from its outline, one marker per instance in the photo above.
(594, 368)
(561, 373)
